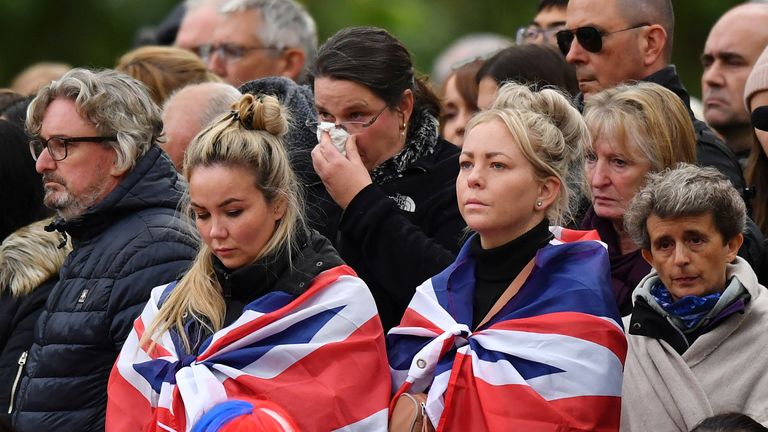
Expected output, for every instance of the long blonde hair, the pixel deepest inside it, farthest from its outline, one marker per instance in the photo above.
(250, 137)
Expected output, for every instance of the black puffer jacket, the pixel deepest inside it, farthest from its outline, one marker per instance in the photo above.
(30, 260)
(130, 242)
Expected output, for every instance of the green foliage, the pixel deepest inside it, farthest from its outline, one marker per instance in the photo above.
(96, 32)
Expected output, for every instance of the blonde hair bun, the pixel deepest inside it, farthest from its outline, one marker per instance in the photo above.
(262, 113)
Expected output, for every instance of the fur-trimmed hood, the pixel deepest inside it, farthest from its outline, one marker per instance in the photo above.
(29, 257)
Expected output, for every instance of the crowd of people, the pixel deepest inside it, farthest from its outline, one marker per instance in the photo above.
(243, 230)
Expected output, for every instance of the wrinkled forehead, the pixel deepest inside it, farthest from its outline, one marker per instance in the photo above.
(601, 14)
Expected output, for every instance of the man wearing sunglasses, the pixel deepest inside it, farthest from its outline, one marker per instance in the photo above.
(614, 41)
(732, 48)
(115, 193)
(261, 38)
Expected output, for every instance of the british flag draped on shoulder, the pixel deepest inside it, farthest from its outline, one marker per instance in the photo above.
(550, 359)
(320, 356)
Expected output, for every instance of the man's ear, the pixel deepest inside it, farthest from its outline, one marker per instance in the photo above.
(114, 171)
(293, 62)
(653, 43)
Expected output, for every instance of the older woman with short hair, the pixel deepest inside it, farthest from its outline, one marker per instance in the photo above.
(697, 332)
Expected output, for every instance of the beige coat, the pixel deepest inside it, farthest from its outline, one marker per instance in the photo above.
(725, 370)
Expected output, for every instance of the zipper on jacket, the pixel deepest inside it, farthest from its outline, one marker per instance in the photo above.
(81, 299)
(22, 362)
(227, 287)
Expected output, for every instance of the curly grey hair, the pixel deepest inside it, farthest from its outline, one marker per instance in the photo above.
(686, 190)
(115, 103)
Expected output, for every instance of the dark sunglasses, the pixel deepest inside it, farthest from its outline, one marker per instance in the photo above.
(589, 37)
(760, 118)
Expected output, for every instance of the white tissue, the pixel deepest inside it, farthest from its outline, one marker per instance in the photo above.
(338, 136)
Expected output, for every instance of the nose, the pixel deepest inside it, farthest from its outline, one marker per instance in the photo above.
(44, 162)
(576, 54)
(713, 76)
(598, 174)
(475, 178)
(681, 258)
(218, 228)
(216, 64)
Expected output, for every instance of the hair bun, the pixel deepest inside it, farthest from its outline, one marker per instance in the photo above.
(262, 113)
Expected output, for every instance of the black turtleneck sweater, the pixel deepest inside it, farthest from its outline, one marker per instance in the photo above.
(498, 267)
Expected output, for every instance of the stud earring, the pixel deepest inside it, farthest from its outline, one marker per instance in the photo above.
(538, 203)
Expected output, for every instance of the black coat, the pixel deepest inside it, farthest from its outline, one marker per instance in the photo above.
(398, 234)
(710, 150)
(30, 260)
(130, 242)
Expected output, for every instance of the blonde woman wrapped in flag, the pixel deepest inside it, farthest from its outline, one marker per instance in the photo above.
(521, 332)
(267, 311)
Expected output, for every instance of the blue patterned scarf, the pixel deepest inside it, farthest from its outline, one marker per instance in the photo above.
(690, 310)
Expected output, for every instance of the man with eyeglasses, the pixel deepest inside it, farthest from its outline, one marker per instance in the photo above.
(115, 193)
(613, 41)
(549, 19)
(198, 25)
(732, 48)
(261, 38)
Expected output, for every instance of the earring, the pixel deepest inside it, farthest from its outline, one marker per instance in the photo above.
(538, 203)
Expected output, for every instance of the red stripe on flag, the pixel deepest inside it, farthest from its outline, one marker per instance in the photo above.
(475, 405)
(154, 352)
(127, 408)
(318, 283)
(574, 324)
(329, 388)
(411, 318)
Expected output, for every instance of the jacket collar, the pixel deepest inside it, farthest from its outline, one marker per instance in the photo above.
(153, 182)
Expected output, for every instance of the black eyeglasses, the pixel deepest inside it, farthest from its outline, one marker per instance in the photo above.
(589, 37)
(57, 146)
(350, 126)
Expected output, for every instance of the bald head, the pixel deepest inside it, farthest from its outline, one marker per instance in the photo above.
(190, 110)
(732, 48)
(651, 12)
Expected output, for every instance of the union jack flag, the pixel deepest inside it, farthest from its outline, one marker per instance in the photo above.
(320, 356)
(550, 360)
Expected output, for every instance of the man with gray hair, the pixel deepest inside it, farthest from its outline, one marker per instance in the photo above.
(189, 110)
(115, 193)
(697, 332)
(261, 38)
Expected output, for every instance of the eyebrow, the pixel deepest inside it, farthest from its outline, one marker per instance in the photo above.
(353, 105)
(221, 204)
(488, 155)
(726, 56)
(551, 25)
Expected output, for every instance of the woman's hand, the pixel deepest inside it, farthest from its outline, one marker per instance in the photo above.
(343, 177)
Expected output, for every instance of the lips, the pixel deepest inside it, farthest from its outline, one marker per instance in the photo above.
(684, 280)
(223, 251)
